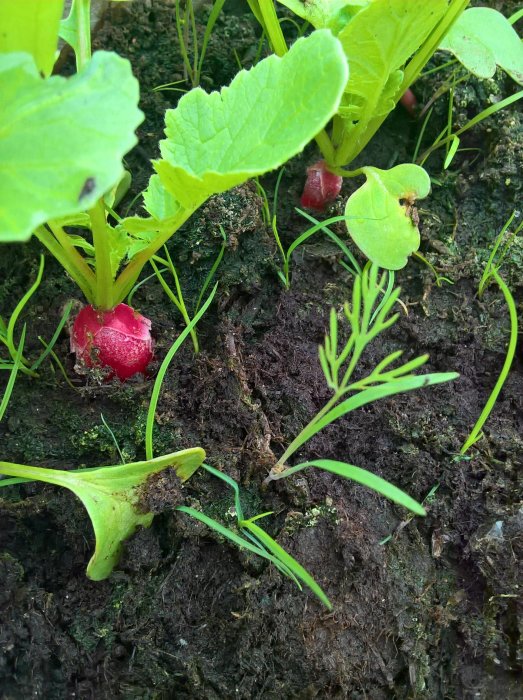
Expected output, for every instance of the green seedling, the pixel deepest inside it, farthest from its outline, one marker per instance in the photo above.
(387, 44)
(249, 535)
(258, 541)
(188, 38)
(491, 274)
(176, 294)
(16, 360)
(368, 316)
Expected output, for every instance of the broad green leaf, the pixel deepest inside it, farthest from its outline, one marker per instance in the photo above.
(326, 14)
(378, 41)
(112, 497)
(379, 220)
(482, 38)
(31, 26)
(61, 140)
(267, 115)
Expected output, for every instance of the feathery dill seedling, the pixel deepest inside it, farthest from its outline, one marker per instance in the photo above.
(369, 315)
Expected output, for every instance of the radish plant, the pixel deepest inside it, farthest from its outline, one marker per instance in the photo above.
(386, 44)
(64, 139)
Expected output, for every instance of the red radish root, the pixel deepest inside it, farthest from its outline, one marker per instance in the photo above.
(409, 102)
(119, 339)
(321, 187)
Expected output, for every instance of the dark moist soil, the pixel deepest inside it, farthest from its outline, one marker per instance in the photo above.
(433, 613)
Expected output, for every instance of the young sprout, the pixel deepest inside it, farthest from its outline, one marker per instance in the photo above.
(369, 315)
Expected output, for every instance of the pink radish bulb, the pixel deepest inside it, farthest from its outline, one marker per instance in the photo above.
(321, 187)
(119, 339)
(409, 102)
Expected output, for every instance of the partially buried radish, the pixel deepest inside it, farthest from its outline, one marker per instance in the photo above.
(321, 187)
(119, 339)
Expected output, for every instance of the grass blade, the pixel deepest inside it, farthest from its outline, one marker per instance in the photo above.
(12, 377)
(367, 396)
(163, 369)
(364, 477)
(296, 568)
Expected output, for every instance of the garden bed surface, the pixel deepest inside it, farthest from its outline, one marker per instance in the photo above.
(432, 613)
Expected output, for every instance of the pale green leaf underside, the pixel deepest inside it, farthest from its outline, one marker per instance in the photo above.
(378, 41)
(329, 14)
(267, 115)
(378, 223)
(31, 26)
(111, 496)
(61, 140)
(483, 38)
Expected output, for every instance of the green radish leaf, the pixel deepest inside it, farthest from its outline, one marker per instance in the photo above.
(328, 14)
(362, 476)
(482, 39)
(267, 115)
(378, 220)
(31, 26)
(377, 42)
(112, 497)
(61, 140)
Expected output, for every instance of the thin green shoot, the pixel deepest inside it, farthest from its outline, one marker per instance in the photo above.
(58, 363)
(176, 297)
(113, 437)
(49, 347)
(491, 273)
(17, 363)
(253, 538)
(214, 268)
(437, 69)
(266, 209)
(516, 16)
(168, 87)
(213, 16)
(354, 267)
(188, 35)
(360, 476)
(439, 279)
(421, 134)
(493, 109)
(149, 451)
(7, 332)
(139, 284)
(369, 315)
(284, 274)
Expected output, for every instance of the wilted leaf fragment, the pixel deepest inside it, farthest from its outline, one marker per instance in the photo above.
(482, 38)
(267, 115)
(61, 140)
(379, 214)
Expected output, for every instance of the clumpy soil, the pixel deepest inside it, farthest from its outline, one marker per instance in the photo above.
(423, 608)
